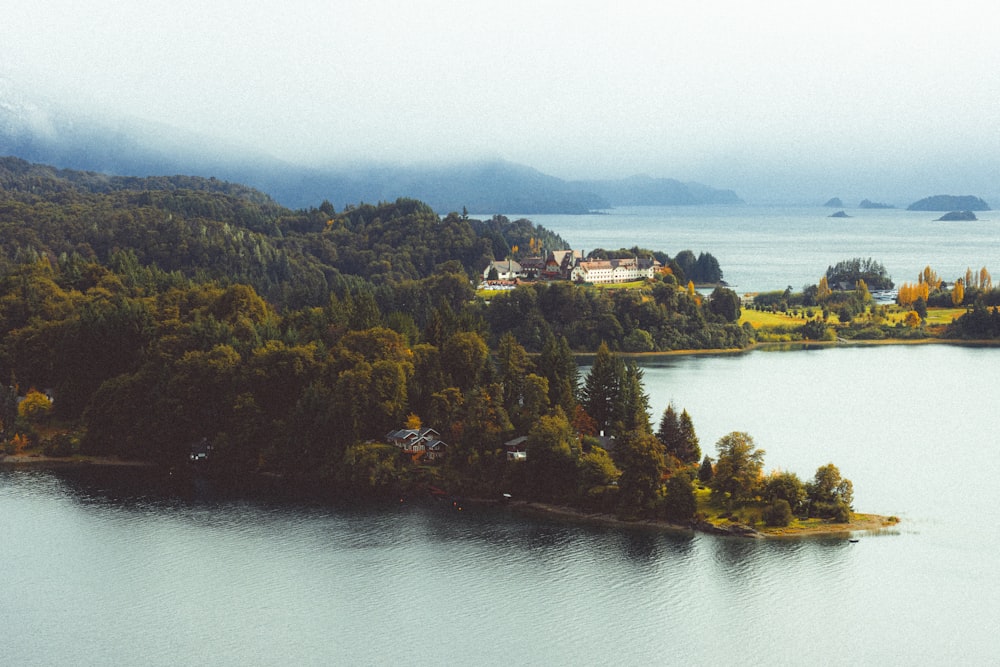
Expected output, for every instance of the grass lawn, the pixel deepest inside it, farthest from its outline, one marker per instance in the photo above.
(751, 516)
(768, 320)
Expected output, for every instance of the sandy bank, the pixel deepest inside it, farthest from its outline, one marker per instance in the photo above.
(860, 524)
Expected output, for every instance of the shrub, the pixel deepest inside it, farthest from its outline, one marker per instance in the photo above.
(679, 500)
(61, 444)
(778, 513)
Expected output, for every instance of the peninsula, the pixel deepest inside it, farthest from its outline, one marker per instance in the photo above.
(197, 325)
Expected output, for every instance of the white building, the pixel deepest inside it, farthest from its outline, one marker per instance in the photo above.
(614, 270)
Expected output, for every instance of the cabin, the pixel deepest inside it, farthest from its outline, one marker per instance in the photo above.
(517, 448)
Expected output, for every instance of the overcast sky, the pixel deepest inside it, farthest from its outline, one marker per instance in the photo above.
(879, 99)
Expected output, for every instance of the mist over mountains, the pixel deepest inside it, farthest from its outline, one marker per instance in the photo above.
(47, 133)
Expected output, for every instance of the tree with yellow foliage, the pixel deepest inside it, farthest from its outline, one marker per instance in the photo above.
(18, 444)
(929, 278)
(958, 293)
(912, 319)
(908, 293)
(823, 290)
(35, 406)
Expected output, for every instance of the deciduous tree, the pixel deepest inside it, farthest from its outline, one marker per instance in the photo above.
(738, 470)
(639, 455)
(958, 293)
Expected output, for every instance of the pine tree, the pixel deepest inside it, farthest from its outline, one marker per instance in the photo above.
(690, 451)
(632, 405)
(557, 365)
(669, 431)
(601, 387)
(705, 472)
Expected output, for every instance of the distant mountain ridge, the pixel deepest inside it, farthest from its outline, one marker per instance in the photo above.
(644, 190)
(45, 133)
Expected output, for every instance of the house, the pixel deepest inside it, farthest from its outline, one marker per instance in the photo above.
(560, 263)
(516, 449)
(424, 441)
(436, 450)
(507, 269)
(532, 267)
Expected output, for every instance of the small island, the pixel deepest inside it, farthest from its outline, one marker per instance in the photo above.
(949, 203)
(839, 214)
(834, 202)
(957, 216)
(867, 203)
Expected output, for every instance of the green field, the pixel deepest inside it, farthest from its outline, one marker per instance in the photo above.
(768, 320)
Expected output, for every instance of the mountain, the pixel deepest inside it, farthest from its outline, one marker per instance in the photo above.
(485, 187)
(644, 190)
(46, 132)
(949, 203)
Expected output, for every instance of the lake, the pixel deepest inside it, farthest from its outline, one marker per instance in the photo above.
(762, 248)
(107, 566)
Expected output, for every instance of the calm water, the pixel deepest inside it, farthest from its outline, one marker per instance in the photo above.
(114, 567)
(768, 248)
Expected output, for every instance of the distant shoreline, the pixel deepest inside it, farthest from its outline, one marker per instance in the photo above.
(791, 345)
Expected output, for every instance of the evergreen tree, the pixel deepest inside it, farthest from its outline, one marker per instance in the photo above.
(689, 451)
(669, 431)
(557, 364)
(601, 387)
(705, 472)
(512, 367)
(632, 405)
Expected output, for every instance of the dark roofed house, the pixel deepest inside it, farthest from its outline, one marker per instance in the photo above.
(436, 450)
(413, 441)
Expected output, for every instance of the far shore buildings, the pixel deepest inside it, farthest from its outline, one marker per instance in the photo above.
(568, 265)
(614, 270)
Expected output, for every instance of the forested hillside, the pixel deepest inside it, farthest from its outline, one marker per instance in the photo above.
(158, 313)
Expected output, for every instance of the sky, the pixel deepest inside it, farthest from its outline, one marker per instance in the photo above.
(876, 99)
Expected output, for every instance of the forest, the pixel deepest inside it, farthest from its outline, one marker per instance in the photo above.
(147, 318)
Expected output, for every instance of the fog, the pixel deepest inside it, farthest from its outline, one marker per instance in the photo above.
(776, 100)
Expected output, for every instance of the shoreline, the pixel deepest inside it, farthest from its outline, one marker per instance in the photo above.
(793, 345)
(60, 461)
(861, 523)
